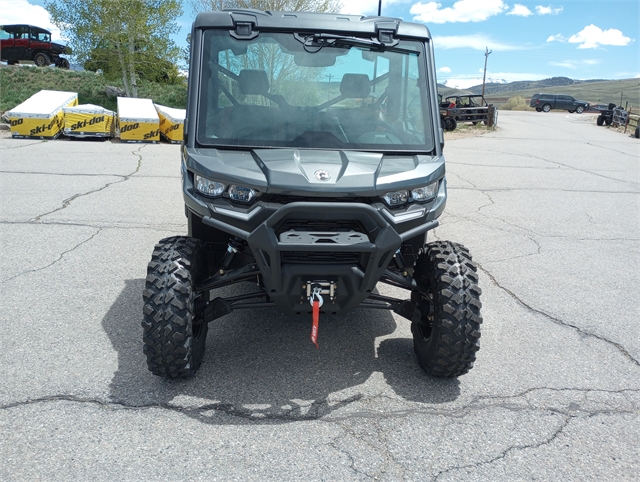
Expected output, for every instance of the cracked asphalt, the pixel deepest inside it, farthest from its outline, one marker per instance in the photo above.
(549, 207)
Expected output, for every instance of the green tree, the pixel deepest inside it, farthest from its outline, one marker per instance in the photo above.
(136, 31)
(275, 5)
(280, 68)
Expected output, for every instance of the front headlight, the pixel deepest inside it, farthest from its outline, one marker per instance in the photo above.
(426, 193)
(396, 198)
(242, 194)
(209, 187)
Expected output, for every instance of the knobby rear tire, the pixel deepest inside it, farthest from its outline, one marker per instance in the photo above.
(174, 342)
(446, 342)
(41, 60)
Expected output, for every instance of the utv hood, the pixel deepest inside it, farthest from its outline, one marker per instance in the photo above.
(60, 49)
(316, 172)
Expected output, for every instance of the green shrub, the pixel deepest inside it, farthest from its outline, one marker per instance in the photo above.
(516, 103)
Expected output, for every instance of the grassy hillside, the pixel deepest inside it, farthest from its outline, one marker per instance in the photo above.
(18, 83)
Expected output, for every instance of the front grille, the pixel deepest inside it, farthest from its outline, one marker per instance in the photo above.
(283, 199)
(327, 226)
(315, 257)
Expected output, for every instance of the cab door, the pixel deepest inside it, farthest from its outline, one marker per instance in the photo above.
(20, 43)
(40, 39)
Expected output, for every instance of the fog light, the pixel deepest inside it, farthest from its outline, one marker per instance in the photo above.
(426, 193)
(208, 187)
(242, 194)
(396, 198)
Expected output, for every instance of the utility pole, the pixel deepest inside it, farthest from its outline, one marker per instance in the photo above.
(379, 7)
(484, 76)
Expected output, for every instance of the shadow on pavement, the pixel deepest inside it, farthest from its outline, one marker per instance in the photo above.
(260, 364)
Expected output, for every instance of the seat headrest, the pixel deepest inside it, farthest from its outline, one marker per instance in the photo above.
(253, 82)
(355, 85)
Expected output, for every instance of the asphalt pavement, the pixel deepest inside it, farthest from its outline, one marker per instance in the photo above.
(548, 206)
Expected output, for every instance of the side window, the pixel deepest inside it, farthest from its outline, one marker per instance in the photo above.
(20, 33)
(4, 35)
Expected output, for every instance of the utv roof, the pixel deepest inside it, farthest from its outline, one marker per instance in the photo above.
(8, 28)
(311, 22)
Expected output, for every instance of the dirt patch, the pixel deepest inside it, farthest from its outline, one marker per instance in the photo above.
(464, 131)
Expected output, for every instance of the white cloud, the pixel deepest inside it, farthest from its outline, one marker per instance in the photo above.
(461, 11)
(444, 70)
(557, 38)
(474, 41)
(592, 37)
(575, 64)
(21, 11)
(366, 7)
(548, 10)
(520, 11)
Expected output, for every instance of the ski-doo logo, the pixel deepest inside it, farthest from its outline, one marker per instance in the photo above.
(44, 127)
(151, 135)
(129, 127)
(85, 123)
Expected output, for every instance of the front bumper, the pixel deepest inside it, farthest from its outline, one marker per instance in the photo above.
(290, 253)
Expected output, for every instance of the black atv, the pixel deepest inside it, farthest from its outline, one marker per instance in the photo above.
(606, 115)
(312, 167)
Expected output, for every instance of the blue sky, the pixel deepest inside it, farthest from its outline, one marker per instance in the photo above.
(592, 39)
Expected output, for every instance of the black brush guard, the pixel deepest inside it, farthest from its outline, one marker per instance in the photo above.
(346, 247)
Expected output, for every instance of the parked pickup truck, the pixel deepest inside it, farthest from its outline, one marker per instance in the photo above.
(546, 102)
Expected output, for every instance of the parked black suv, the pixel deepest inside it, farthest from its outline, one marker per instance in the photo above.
(26, 42)
(312, 170)
(546, 102)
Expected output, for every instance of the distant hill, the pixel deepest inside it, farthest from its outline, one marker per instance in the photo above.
(495, 88)
(594, 90)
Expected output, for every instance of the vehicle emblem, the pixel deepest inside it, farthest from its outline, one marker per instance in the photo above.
(322, 175)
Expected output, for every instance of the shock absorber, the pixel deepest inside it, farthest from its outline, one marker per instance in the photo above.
(236, 245)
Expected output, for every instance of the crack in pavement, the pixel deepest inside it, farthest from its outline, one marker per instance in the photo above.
(66, 174)
(560, 164)
(539, 189)
(608, 148)
(530, 231)
(164, 227)
(556, 320)
(380, 435)
(23, 146)
(35, 270)
(506, 452)
(68, 201)
(319, 409)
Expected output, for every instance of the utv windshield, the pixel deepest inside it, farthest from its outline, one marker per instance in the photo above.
(313, 91)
